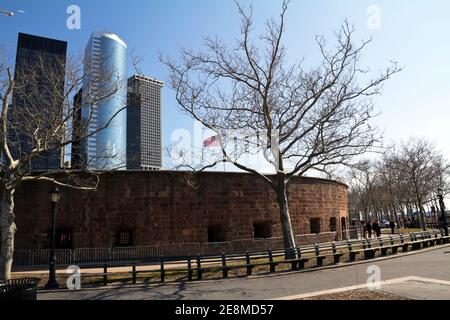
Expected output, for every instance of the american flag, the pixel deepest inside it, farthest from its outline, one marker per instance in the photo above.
(212, 142)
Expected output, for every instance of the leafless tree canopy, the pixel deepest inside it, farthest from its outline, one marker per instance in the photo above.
(38, 113)
(404, 181)
(320, 114)
(311, 117)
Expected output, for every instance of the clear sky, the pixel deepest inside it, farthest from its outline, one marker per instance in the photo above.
(413, 32)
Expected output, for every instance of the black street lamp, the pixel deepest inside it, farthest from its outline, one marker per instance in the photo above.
(54, 196)
(444, 215)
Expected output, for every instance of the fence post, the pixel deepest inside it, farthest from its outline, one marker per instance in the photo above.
(110, 255)
(299, 252)
(248, 262)
(32, 257)
(224, 265)
(199, 268)
(317, 249)
(134, 272)
(272, 265)
(163, 272)
(189, 269)
(105, 275)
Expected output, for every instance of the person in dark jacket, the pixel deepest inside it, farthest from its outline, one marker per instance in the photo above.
(369, 229)
(392, 226)
(376, 229)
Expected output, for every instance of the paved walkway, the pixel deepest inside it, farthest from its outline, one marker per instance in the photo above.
(433, 264)
(420, 289)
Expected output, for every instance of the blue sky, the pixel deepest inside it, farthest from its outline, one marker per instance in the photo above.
(413, 32)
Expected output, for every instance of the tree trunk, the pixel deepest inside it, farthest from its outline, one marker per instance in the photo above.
(421, 214)
(8, 229)
(424, 219)
(397, 220)
(285, 218)
(404, 219)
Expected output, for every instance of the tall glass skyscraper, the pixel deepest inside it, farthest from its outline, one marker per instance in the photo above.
(104, 96)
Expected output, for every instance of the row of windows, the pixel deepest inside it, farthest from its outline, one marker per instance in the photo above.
(316, 225)
(216, 233)
(64, 239)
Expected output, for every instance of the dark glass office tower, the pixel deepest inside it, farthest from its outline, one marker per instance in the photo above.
(39, 81)
(144, 142)
(78, 159)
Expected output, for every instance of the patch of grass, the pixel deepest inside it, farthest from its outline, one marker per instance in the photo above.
(401, 231)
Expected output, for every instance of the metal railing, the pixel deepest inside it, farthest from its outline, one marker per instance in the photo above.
(220, 266)
(149, 254)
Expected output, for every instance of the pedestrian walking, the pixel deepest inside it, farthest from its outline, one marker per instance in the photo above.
(369, 229)
(376, 229)
(392, 226)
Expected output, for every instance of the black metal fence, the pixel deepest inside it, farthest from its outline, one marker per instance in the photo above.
(220, 266)
(151, 254)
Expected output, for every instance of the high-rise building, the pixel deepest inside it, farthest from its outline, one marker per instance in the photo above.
(39, 81)
(104, 102)
(77, 160)
(144, 142)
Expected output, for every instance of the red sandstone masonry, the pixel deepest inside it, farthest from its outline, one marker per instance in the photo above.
(158, 208)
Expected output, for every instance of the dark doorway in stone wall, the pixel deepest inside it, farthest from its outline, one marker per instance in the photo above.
(333, 225)
(344, 228)
(124, 239)
(314, 224)
(216, 233)
(64, 239)
(262, 229)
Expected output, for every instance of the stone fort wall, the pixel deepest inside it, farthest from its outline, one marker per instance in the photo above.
(159, 208)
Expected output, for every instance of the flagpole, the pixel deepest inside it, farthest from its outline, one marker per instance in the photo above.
(203, 150)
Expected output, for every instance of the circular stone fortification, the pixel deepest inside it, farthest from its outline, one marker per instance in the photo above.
(160, 208)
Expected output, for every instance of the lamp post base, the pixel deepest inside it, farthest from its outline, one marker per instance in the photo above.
(52, 285)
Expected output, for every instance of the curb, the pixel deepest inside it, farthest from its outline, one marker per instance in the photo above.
(254, 277)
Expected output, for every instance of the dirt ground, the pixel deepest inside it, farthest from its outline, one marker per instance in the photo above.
(357, 295)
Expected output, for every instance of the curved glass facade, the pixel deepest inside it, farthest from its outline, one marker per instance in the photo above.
(105, 98)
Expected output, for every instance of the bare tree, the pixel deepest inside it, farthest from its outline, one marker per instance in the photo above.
(420, 171)
(37, 113)
(307, 118)
(391, 185)
(361, 181)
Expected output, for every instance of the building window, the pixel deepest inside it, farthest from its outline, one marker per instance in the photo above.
(64, 239)
(124, 239)
(333, 224)
(262, 230)
(216, 234)
(314, 224)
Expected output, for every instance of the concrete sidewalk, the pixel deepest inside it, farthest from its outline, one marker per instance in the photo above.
(420, 289)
